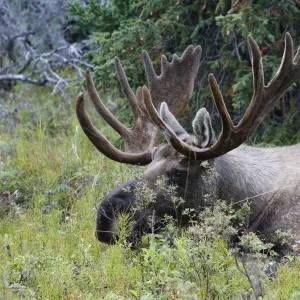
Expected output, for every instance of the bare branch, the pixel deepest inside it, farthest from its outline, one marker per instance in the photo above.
(32, 51)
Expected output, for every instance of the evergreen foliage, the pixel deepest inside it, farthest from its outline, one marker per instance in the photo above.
(56, 177)
(124, 28)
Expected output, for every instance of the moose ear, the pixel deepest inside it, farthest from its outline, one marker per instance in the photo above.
(171, 121)
(205, 135)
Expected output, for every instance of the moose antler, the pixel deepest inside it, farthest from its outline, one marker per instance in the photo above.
(174, 85)
(262, 102)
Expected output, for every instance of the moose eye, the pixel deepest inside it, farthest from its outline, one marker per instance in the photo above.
(178, 174)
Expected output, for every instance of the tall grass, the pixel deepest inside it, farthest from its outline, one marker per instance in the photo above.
(48, 248)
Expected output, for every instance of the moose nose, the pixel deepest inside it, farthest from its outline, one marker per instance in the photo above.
(119, 200)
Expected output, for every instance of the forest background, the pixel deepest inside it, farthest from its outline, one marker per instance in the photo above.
(55, 178)
(83, 34)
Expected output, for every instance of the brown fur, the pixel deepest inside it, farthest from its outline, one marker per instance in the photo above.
(268, 178)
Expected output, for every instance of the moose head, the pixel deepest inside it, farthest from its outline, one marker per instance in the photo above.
(242, 172)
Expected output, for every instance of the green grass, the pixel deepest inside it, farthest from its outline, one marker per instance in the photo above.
(48, 248)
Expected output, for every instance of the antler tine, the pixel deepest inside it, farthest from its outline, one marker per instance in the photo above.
(101, 108)
(287, 59)
(220, 104)
(126, 88)
(289, 68)
(257, 66)
(265, 97)
(258, 80)
(261, 104)
(151, 75)
(297, 57)
(102, 144)
(164, 63)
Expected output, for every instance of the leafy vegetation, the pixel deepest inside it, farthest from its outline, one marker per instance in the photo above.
(57, 178)
(125, 28)
(48, 249)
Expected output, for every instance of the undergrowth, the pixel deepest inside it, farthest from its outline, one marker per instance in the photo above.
(48, 249)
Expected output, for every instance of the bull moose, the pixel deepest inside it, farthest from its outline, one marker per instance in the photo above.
(269, 178)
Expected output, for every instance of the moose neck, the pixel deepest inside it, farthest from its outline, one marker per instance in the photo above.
(251, 174)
